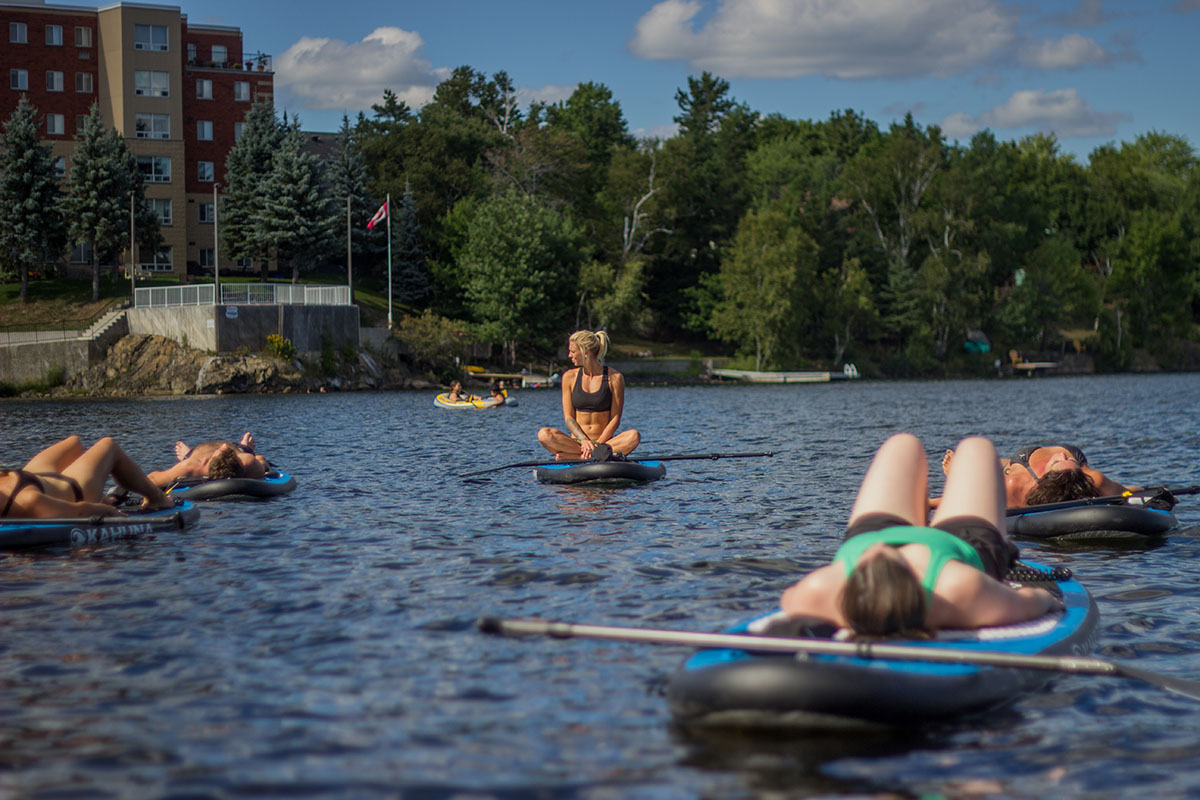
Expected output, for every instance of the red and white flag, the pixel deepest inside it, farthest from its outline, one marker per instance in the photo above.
(380, 215)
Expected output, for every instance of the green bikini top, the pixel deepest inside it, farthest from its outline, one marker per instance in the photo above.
(942, 546)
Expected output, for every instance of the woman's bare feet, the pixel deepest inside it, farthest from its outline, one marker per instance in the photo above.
(248, 441)
(946, 459)
(182, 451)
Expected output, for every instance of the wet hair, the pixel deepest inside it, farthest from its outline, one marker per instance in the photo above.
(225, 464)
(591, 342)
(1062, 484)
(883, 597)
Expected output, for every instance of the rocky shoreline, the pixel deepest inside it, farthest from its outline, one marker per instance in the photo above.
(143, 365)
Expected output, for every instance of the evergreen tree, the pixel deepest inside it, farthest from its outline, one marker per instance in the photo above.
(30, 222)
(296, 221)
(347, 176)
(247, 170)
(103, 174)
(410, 272)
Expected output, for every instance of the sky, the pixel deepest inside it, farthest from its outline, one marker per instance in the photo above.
(1092, 72)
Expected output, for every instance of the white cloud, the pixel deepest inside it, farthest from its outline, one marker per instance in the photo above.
(549, 94)
(1062, 111)
(836, 38)
(332, 74)
(1070, 52)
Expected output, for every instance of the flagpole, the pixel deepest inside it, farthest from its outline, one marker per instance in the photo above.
(388, 206)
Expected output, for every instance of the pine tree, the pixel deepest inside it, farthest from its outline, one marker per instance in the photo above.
(30, 220)
(295, 224)
(410, 270)
(347, 176)
(103, 173)
(247, 169)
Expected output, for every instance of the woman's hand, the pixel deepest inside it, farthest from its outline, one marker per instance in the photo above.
(585, 448)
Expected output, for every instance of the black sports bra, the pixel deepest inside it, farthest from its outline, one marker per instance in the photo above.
(1022, 457)
(599, 400)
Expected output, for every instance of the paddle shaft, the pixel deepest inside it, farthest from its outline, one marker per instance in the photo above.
(1102, 501)
(703, 456)
(1085, 665)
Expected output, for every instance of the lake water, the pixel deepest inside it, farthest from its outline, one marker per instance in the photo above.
(323, 645)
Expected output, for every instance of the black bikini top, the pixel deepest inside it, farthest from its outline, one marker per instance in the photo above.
(599, 400)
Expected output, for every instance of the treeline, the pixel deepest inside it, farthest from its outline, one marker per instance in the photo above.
(794, 242)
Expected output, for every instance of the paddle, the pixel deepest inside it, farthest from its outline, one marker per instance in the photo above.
(550, 460)
(1109, 500)
(1083, 665)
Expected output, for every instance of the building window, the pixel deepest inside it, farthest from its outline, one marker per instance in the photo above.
(56, 124)
(191, 50)
(238, 127)
(241, 90)
(245, 263)
(204, 171)
(153, 126)
(18, 79)
(220, 53)
(82, 254)
(83, 37)
(17, 34)
(151, 83)
(206, 257)
(207, 215)
(161, 261)
(204, 130)
(54, 35)
(80, 122)
(83, 82)
(60, 166)
(150, 37)
(54, 80)
(155, 169)
(162, 209)
(204, 89)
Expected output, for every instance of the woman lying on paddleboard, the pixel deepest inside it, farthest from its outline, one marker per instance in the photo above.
(593, 397)
(1049, 474)
(893, 575)
(66, 481)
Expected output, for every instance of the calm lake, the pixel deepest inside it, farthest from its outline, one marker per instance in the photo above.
(323, 644)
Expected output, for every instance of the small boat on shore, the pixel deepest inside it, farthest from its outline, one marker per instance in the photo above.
(752, 376)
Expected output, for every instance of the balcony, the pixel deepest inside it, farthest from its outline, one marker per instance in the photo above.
(252, 62)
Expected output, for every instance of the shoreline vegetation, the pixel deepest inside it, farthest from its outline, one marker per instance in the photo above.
(426, 353)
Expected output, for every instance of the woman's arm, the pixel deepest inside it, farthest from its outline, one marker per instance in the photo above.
(574, 429)
(817, 594)
(967, 598)
(1107, 486)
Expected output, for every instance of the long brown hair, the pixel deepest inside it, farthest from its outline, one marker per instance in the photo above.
(1062, 484)
(883, 597)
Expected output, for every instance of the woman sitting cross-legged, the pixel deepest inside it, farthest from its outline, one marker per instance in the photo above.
(66, 481)
(896, 576)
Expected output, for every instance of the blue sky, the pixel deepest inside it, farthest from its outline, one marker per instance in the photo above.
(1091, 71)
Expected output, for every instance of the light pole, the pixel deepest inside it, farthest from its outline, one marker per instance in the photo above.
(216, 251)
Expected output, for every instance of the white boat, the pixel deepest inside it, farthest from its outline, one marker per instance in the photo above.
(753, 376)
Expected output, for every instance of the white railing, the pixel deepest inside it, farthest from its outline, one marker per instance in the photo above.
(243, 294)
(159, 296)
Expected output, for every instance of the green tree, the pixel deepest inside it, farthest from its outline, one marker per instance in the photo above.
(762, 283)
(30, 219)
(104, 175)
(410, 270)
(347, 177)
(247, 200)
(296, 221)
(522, 260)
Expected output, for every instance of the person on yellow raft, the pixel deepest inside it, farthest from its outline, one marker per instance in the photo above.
(593, 398)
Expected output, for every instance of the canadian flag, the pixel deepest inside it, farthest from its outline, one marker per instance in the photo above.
(380, 215)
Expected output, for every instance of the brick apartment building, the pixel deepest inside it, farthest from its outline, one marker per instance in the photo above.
(177, 92)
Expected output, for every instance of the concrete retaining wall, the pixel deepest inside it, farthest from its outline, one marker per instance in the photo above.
(225, 329)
